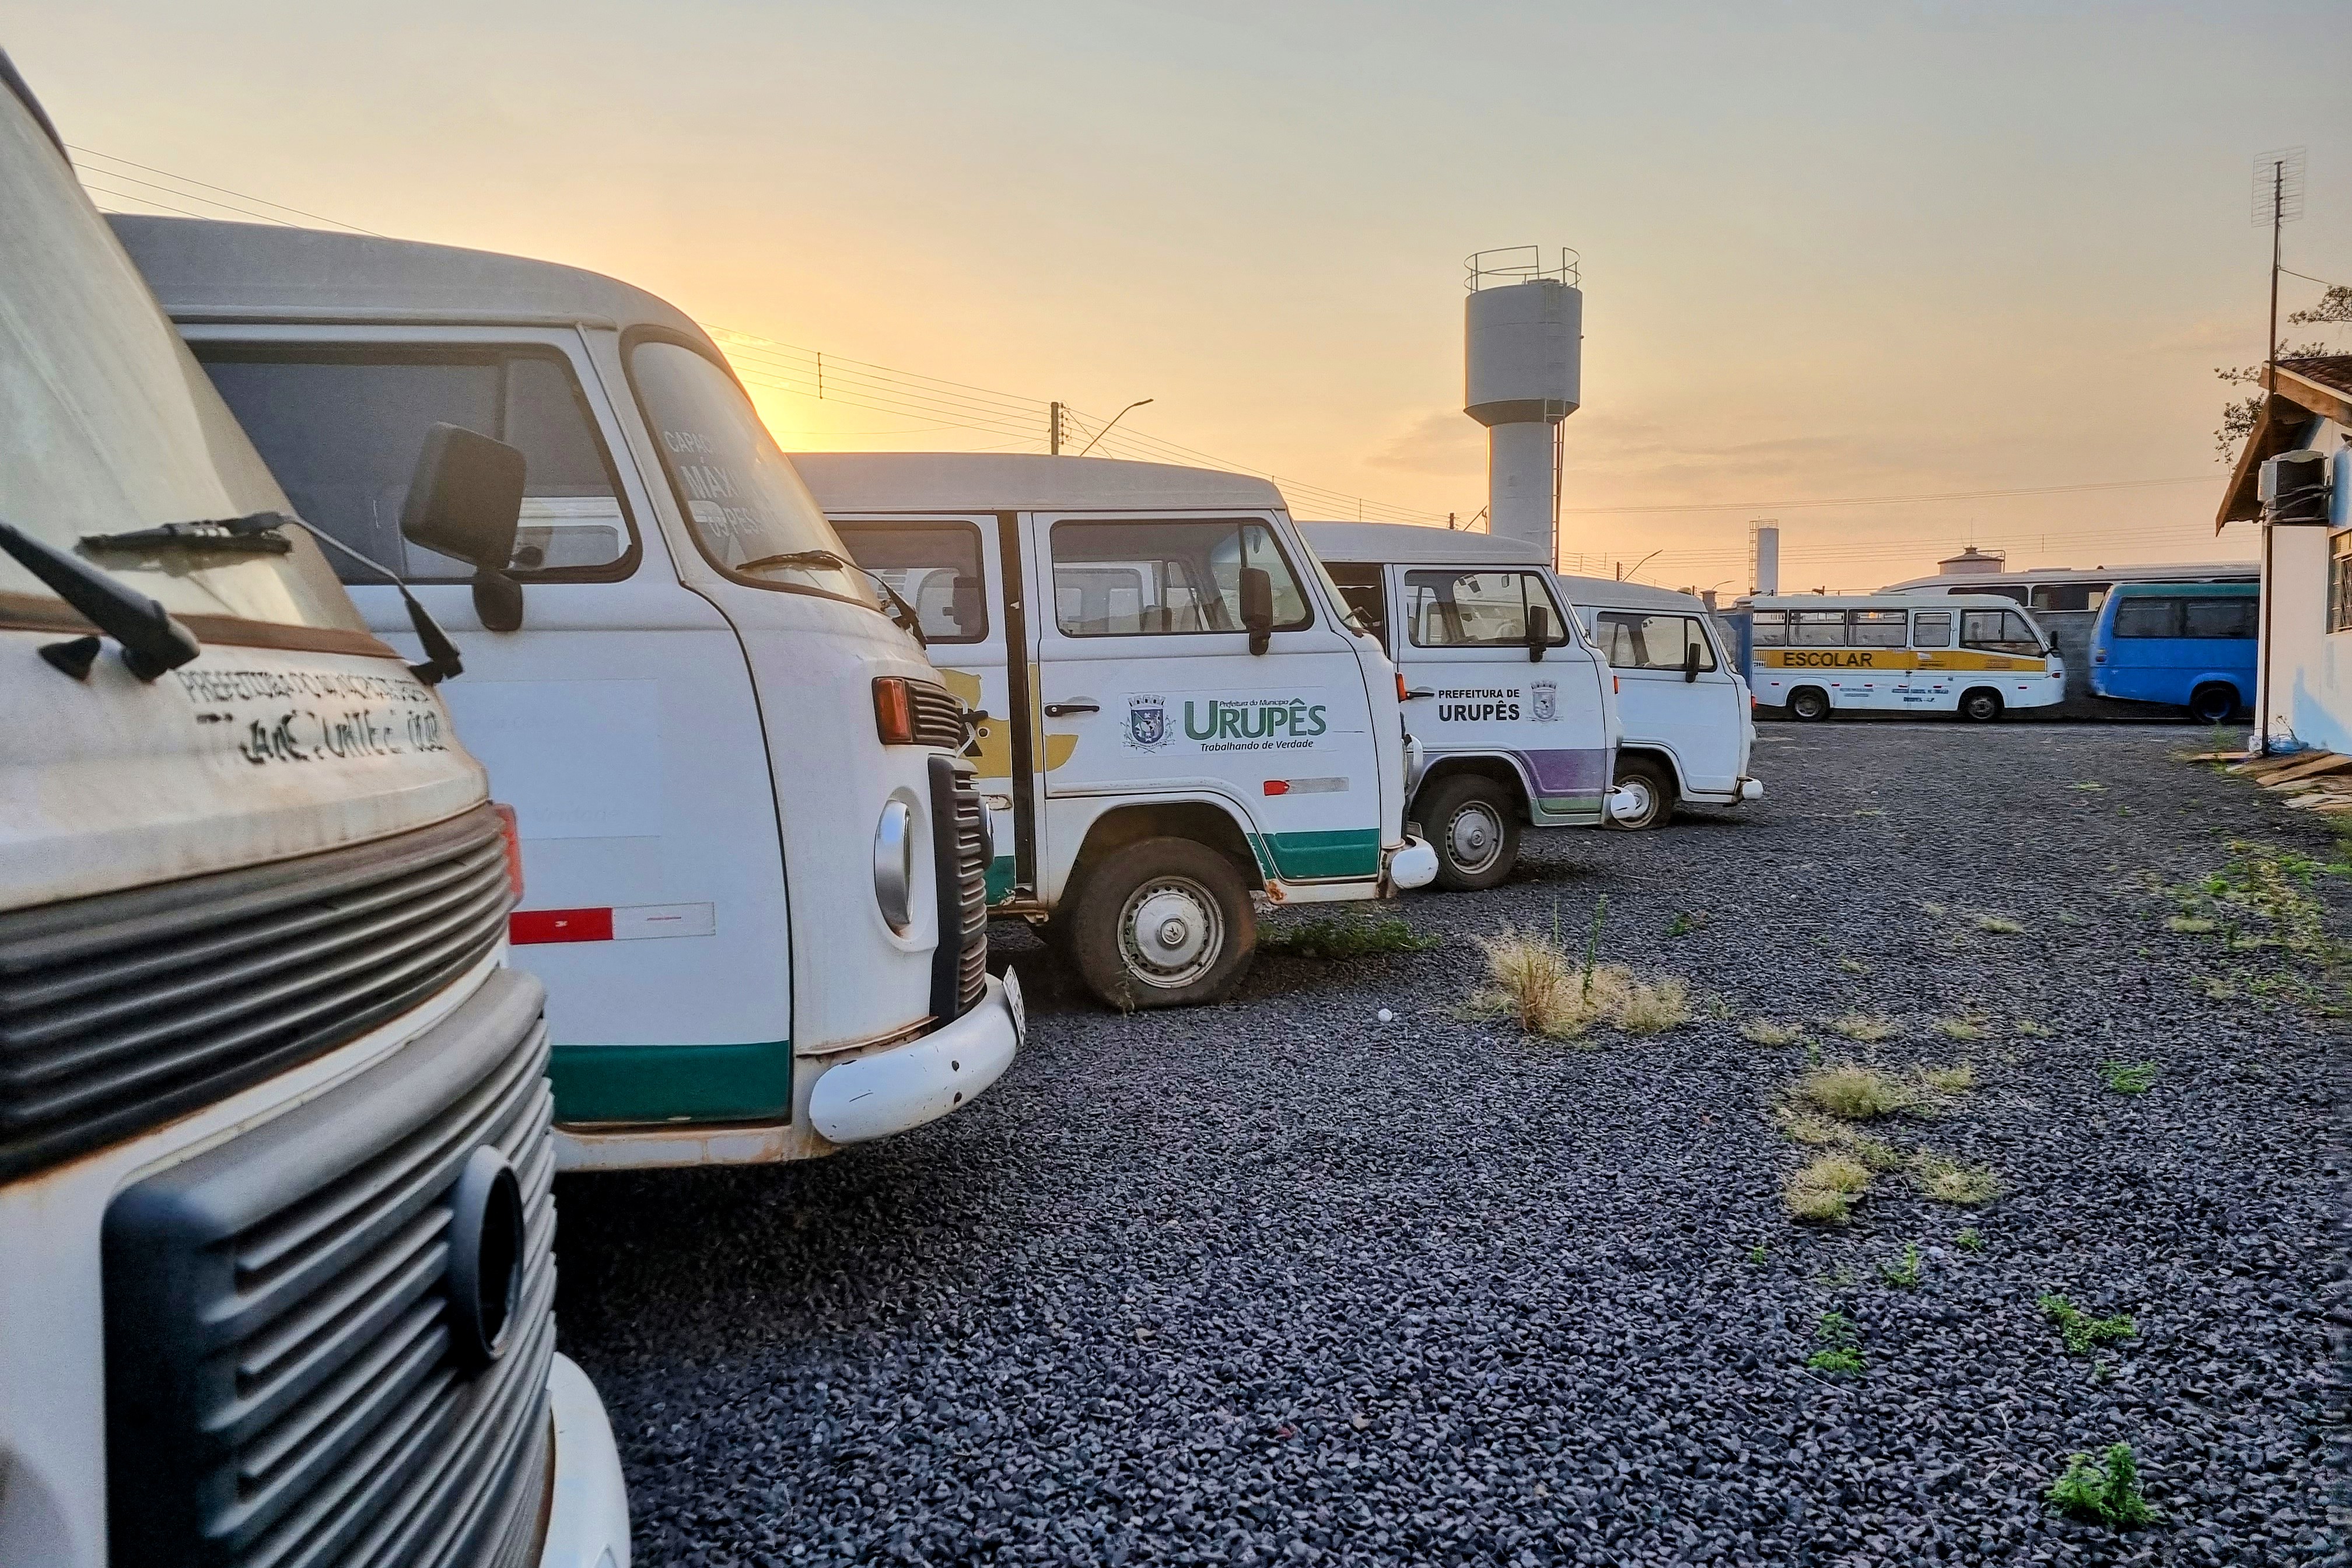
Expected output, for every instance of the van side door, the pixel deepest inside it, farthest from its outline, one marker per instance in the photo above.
(619, 721)
(1674, 690)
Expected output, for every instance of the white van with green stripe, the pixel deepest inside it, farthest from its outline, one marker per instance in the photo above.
(754, 852)
(1179, 713)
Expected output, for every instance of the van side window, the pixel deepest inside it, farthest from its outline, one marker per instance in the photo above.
(1450, 608)
(1879, 628)
(2231, 617)
(1770, 628)
(934, 566)
(2151, 616)
(1931, 629)
(1166, 577)
(1998, 631)
(1633, 639)
(342, 429)
(1365, 593)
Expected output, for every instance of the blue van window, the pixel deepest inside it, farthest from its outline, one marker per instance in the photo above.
(2231, 617)
(2147, 617)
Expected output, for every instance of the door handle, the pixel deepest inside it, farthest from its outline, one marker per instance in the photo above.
(1075, 705)
(1412, 693)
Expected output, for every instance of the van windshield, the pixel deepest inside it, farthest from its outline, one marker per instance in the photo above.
(107, 427)
(750, 514)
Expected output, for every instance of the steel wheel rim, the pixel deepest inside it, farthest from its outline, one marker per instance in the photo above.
(1474, 838)
(1170, 932)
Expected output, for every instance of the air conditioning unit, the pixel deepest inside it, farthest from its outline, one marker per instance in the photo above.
(2294, 489)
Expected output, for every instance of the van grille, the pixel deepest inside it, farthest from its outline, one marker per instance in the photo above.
(121, 1011)
(960, 829)
(284, 1387)
(938, 714)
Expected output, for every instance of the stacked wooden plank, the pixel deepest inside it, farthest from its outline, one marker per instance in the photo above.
(2313, 781)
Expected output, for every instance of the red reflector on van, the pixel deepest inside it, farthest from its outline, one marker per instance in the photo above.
(526, 926)
(1277, 786)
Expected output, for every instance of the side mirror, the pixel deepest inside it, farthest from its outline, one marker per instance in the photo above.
(964, 606)
(1690, 661)
(1257, 607)
(1539, 632)
(465, 501)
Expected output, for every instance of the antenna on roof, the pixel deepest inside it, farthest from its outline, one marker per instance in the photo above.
(2278, 201)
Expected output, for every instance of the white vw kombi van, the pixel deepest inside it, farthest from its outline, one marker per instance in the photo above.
(756, 857)
(277, 1234)
(1512, 708)
(1177, 714)
(1688, 725)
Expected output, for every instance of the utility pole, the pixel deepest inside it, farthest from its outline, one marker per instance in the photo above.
(1054, 439)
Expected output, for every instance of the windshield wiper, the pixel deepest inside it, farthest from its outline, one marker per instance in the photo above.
(153, 642)
(254, 532)
(902, 613)
(441, 661)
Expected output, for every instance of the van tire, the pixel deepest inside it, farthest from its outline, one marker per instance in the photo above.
(1980, 705)
(2215, 703)
(1655, 783)
(1473, 823)
(1185, 890)
(1809, 704)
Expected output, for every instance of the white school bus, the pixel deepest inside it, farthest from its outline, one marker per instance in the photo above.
(1179, 713)
(1979, 656)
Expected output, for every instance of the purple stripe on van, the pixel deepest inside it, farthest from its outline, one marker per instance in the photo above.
(1583, 771)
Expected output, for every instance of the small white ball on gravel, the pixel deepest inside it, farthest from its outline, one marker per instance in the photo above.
(1387, 1017)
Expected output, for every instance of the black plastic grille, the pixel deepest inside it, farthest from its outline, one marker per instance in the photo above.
(120, 1012)
(960, 832)
(938, 716)
(285, 1389)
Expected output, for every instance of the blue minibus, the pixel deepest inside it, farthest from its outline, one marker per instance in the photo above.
(2190, 645)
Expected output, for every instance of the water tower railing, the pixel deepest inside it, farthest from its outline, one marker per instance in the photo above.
(1519, 264)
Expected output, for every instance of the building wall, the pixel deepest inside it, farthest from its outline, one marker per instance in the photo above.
(2307, 670)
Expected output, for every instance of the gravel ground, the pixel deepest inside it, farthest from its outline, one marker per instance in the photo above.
(1273, 1281)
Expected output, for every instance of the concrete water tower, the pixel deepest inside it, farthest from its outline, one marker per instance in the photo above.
(1523, 359)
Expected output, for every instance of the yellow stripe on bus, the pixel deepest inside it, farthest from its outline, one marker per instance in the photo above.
(1891, 658)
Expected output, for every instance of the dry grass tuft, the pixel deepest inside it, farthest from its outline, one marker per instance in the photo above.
(1957, 1079)
(1962, 1028)
(2192, 925)
(1763, 1032)
(1865, 1028)
(1824, 1189)
(1853, 1092)
(1999, 925)
(1811, 1128)
(1536, 985)
(1950, 1181)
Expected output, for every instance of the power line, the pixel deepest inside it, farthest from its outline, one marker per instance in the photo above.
(185, 180)
(1891, 500)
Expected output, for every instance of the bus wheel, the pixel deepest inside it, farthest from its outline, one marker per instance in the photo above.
(1164, 922)
(2213, 702)
(1980, 705)
(1474, 824)
(1652, 786)
(1809, 704)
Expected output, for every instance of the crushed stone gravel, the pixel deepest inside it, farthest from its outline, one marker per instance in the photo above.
(1273, 1282)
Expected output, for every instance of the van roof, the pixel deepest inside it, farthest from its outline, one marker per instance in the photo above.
(1885, 602)
(1409, 541)
(204, 270)
(2187, 590)
(1608, 594)
(1021, 481)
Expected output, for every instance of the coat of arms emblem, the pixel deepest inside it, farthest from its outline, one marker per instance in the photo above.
(1544, 697)
(1146, 723)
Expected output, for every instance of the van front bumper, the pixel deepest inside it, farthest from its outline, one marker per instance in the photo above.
(588, 1507)
(888, 1091)
(1751, 789)
(1413, 865)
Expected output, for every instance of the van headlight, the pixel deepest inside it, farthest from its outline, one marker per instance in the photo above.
(894, 865)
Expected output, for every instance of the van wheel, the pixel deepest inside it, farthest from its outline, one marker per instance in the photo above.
(1473, 824)
(1980, 705)
(2213, 702)
(1164, 922)
(1652, 789)
(1809, 703)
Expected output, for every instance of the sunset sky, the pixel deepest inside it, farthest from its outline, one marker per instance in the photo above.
(1828, 250)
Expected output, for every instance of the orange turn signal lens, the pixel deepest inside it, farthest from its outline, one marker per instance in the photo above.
(1403, 695)
(512, 836)
(894, 711)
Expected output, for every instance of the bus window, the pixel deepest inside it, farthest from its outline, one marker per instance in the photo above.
(1878, 628)
(1931, 629)
(1998, 631)
(1818, 628)
(2232, 617)
(2149, 617)
(1770, 629)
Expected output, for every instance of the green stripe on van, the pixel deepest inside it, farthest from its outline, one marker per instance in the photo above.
(1000, 879)
(1341, 852)
(672, 1083)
